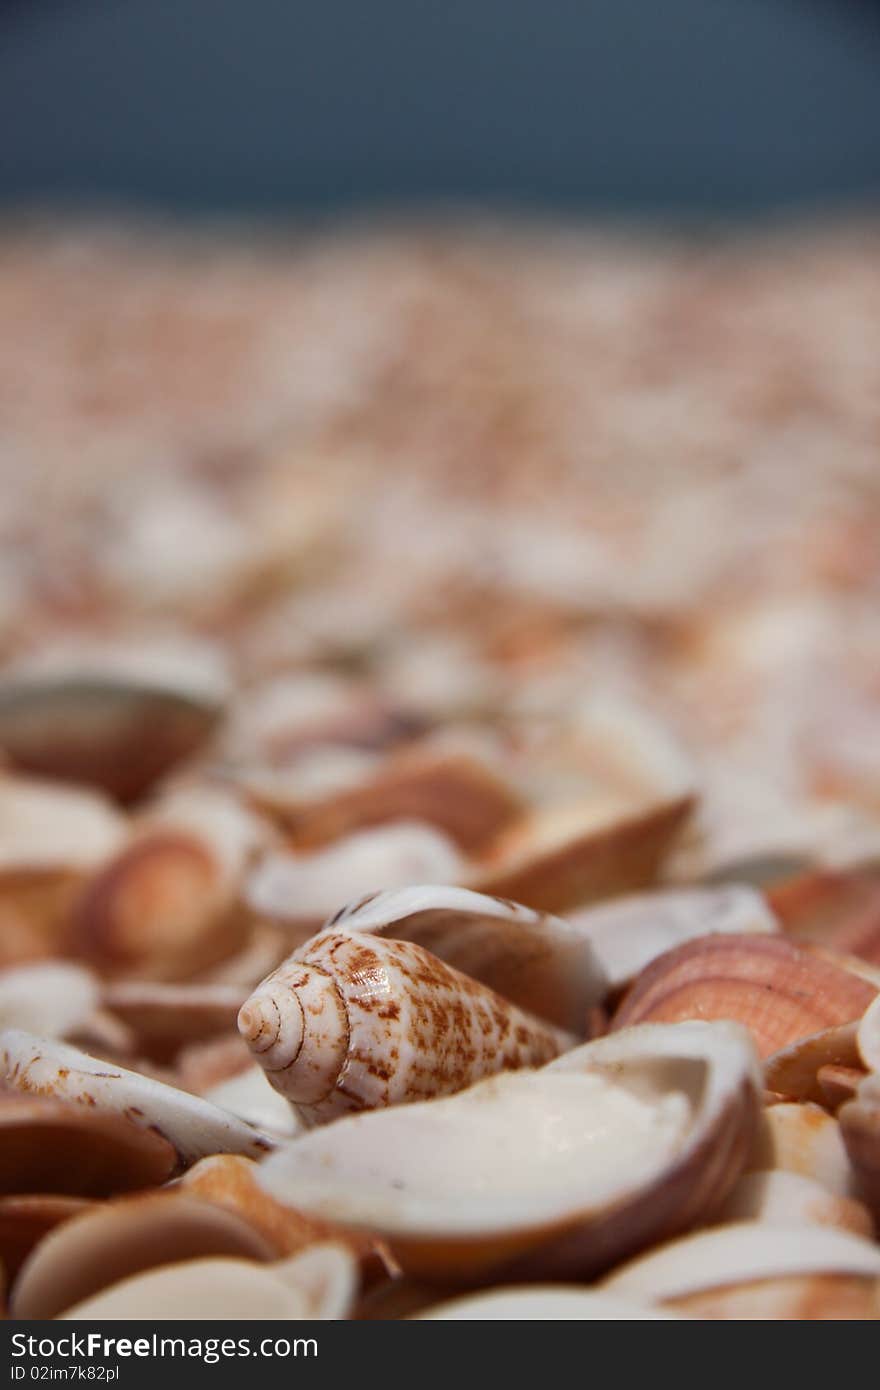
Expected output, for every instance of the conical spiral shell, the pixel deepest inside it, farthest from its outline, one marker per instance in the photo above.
(359, 1022)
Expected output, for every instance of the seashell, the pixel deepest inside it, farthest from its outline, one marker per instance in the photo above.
(165, 906)
(540, 963)
(25, 1219)
(554, 1172)
(835, 908)
(300, 891)
(51, 837)
(779, 991)
(794, 1070)
(780, 1198)
(860, 1130)
(753, 1270)
(115, 719)
(541, 1303)
(803, 1138)
(51, 1147)
(838, 1085)
(118, 1239)
(356, 1022)
(231, 1182)
(319, 1283)
(628, 933)
(265, 947)
(54, 998)
(868, 1037)
(765, 872)
(163, 1017)
(555, 861)
(249, 1095)
(193, 1127)
(47, 827)
(454, 791)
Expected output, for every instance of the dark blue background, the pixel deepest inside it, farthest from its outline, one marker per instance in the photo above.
(700, 105)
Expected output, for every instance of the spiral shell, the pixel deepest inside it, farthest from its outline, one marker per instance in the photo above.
(357, 1022)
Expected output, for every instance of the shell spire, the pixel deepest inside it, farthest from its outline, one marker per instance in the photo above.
(358, 1022)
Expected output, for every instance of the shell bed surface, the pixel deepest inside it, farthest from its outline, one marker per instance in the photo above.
(439, 773)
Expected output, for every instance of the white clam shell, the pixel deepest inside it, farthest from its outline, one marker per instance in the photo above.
(47, 825)
(560, 1170)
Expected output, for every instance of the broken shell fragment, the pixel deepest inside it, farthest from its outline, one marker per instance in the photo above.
(55, 998)
(43, 1067)
(780, 1198)
(539, 962)
(628, 933)
(51, 1147)
(300, 891)
(560, 860)
(793, 1072)
(557, 1172)
(319, 1283)
(118, 1239)
(779, 991)
(747, 1266)
(356, 1022)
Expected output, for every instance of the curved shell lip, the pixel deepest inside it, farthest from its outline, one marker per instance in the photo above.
(740, 1252)
(703, 1043)
(387, 907)
(542, 1302)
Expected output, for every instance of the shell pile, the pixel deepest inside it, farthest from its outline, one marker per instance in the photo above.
(439, 775)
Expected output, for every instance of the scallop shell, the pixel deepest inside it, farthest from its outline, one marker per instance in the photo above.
(193, 1127)
(560, 860)
(539, 962)
(779, 991)
(356, 1022)
(559, 1171)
